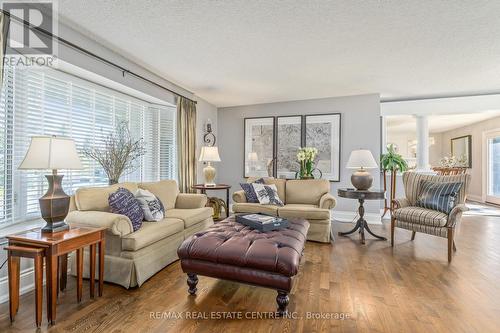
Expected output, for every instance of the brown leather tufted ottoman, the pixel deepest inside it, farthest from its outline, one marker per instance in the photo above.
(231, 251)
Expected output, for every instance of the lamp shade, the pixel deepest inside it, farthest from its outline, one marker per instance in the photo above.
(51, 152)
(209, 154)
(361, 158)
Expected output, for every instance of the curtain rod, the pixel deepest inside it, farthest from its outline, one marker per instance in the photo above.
(104, 60)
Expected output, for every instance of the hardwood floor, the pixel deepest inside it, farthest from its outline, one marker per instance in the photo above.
(410, 288)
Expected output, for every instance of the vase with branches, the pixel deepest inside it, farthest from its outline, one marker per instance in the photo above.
(118, 153)
(392, 162)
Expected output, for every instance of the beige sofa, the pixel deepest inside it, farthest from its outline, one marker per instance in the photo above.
(309, 199)
(133, 257)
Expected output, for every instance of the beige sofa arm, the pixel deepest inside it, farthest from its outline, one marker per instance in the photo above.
(400, 203)
(117, 224)
(239, 196)
(455, 215)
(190, 200)
(327, 201)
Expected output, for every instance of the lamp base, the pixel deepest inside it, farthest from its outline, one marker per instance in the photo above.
(362, 180)
(209, 173)
(54, 205)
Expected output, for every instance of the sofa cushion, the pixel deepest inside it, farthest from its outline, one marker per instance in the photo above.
(422, 216)
(165, 190)
(246, 207)
(96, 198)
(151, 206)
(307, 191)
(150, 233)
(190, 216)
(267, 194)
(123, 202)
(305, 211)
(280, 185)
(250, 194)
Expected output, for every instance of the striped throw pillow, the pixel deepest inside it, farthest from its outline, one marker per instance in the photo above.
(438, 196)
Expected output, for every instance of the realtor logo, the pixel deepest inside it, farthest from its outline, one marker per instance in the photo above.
(30, 28)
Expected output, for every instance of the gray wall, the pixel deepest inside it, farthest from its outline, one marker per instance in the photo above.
(360, 129)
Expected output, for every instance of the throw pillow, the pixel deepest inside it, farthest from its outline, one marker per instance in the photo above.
(151, 206)
(267, 194)
(123, 202)
(250, 192)
(438, 196)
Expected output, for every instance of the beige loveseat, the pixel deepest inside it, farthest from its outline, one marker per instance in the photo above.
(133, 257)
(309, 199)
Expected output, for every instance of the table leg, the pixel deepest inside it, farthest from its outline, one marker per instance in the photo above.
(79, 274)
(47, 286)
(92, 270)
(227, 202)
(101, 266)
(13, 265)
(51, 263)
(374, 235)
(38, 289)
(356, 227)
(64, 271)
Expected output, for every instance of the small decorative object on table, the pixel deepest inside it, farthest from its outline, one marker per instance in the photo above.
(306, 156)
(215, 202)
(52, 153)
(361, 159)
(262, 222)
(209, 154)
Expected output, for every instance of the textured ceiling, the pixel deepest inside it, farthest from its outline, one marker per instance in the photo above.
(245, 52)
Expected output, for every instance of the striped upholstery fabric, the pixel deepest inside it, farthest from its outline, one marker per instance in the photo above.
(438, 196)
(411, 181)
(426, 229)
(422, 216)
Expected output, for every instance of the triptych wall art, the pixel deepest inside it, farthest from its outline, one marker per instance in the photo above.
(271, 145)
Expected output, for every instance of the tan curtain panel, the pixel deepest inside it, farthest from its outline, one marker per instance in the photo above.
(186, 144)
(4, 26)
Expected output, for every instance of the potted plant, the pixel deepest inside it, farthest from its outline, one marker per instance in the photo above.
(306, 156)
(118, 153)
(391, 162)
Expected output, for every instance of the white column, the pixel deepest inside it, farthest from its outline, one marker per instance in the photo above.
(422, 143)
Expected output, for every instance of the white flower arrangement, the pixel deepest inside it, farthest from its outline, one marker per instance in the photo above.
(307, 154)
(451, 161)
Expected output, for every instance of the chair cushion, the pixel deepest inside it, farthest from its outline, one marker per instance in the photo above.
(190, 216)
(312, 212)
(247, 207)
(124, 202)
(438, 196)
(150, 233)
(419, 215)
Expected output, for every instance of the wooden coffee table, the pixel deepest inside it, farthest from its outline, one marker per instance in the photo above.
(58, 245)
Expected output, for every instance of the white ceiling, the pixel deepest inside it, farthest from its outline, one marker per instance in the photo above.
(244, 52)
(437, 123)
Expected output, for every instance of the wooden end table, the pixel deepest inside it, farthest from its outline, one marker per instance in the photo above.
(361, 196)
(56, 247)
(203, 189)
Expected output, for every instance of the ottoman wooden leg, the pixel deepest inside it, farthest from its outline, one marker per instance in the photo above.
(192, 281)
(282, 299)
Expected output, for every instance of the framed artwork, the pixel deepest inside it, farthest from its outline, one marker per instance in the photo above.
(323, 132)
(461, 148)
(289, 139)
(259, 147)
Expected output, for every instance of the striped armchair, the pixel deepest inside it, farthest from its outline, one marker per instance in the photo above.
(408, 216)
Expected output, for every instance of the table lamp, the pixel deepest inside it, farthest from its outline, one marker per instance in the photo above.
(209, 154)
(361, 159)
(52, 153)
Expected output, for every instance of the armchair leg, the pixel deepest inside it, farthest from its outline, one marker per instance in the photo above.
(393, 225)
(450, 243)
(413, 235)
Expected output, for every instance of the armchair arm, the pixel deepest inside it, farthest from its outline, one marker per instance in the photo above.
(117, 224)
(400, 203)
(455, 215)
(327, 201)
(190, 200)
(239, 196)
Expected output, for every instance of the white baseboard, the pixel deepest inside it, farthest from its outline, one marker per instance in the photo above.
(347, 216)
(476, 198)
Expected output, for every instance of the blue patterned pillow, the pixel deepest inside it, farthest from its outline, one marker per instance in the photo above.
(438, 196)
(124, 202)
(250, 192)
(267, 194)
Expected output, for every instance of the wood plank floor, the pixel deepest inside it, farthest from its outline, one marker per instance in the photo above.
(410, 288)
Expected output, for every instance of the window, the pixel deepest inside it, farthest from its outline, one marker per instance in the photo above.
(49, 102)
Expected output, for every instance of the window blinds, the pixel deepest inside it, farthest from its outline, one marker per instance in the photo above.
(49, 102)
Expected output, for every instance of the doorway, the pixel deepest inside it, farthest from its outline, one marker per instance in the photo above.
(493, 167)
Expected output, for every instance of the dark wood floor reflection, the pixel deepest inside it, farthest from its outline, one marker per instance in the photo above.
(376, 288)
